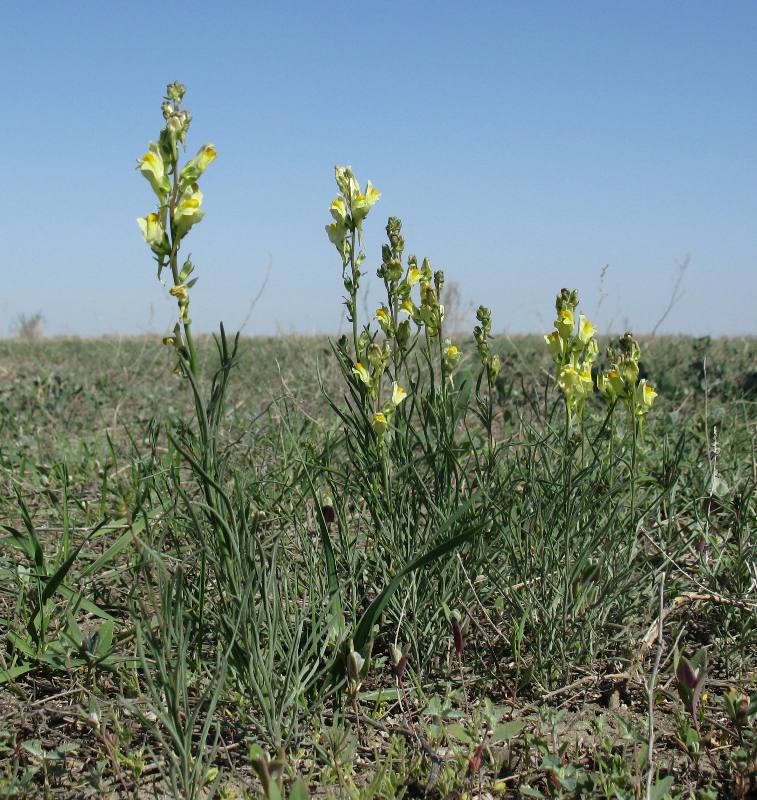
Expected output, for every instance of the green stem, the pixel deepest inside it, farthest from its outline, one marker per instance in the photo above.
(633, 472)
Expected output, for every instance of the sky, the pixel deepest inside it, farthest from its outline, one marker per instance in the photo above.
(526, 146)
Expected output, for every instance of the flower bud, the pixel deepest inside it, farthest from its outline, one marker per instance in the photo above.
(175, 91)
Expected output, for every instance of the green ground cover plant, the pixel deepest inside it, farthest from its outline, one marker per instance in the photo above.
(405, 562)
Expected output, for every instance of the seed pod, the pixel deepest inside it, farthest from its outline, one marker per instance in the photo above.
(457, 635)
(474, 762)
(685, 673)
(399, 670)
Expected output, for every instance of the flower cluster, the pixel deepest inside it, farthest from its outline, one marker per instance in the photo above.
(178, 194)
(369, 375)
(482, 334)
(621, 381)
(574, 349)
(349, 211)
(394, 316)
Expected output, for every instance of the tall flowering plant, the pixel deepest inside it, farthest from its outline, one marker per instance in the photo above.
(178, 209)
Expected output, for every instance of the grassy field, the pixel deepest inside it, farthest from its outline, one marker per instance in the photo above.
(252, 589)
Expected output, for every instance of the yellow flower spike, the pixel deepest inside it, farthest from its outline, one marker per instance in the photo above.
(152, 167)
(398, 394)
(206, 155)
(564, 323)
(555, 345)
(379, 424)
(586, 329)
(188, 211)
(413, 276)
(362, 373)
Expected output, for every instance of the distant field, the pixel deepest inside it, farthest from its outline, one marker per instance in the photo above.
(173, 616)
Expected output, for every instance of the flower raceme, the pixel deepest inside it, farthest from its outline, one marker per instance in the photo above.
(349, 210)
(620, 381)
(179, 201)
(573, 349)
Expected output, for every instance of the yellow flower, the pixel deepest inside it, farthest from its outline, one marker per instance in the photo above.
(645, 395)
(591, 351)
(586, 329)
(188, 211)
(585, 382)
(363, 203)
(152, 167)
(564, 323)
(154, 234)
(379, 424)
(555, 345)
(362, 373)
(605, 386)
(408, 307)
(413, 276)
(576, 385)
(338, 210)
(196, 166)
(451, 354)
(616, 382)
(398, 394)
(384, 320)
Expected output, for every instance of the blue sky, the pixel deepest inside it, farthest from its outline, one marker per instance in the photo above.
(526, 146)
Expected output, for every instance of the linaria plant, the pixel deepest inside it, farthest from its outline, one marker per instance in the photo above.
(401, 425)
(179, 202)
(270, 630)
(621, 384)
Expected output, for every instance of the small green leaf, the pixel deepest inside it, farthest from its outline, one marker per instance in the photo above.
(660, 789)
(458, 732)
(299, 791)
(34, 746)
(507, 730)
